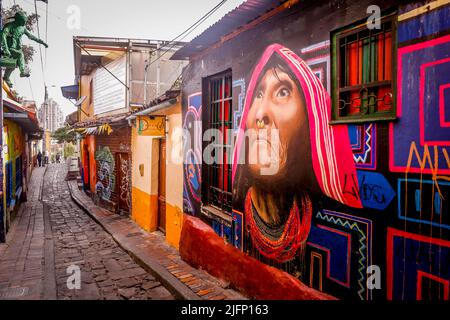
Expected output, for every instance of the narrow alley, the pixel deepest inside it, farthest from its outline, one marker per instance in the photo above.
(50, 234)
(228, 150)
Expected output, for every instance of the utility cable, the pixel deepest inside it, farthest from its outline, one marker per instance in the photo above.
(193, 27)
(39, 35)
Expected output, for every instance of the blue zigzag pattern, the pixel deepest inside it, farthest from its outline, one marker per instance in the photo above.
(362, 247)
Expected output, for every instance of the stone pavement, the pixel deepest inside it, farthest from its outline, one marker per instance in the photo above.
(22, 256)
(155, 255)
(51, 234)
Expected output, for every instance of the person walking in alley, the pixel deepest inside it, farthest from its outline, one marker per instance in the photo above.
(39, 158)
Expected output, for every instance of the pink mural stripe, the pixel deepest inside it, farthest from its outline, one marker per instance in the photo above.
(442, 120)
(401, 52)
(422, 102)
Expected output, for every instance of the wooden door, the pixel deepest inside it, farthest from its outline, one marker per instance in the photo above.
(123, 182)
(162, 186)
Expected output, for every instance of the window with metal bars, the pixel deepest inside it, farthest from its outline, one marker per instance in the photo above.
(363, 68)
(216, 185)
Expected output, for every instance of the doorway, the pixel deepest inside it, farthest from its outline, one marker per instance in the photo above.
(162, 186)
(123, 182)
(87, 173)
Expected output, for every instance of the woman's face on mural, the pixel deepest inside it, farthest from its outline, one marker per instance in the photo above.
(279, 105)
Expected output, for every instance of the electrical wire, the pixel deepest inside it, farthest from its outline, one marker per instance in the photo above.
(46, 31)
(197, 22)
(188, 31)
(39, 35)
(31, 89)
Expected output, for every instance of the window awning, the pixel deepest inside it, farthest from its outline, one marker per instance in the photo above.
(70, 92)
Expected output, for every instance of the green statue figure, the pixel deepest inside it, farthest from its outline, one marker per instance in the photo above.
(11, 43)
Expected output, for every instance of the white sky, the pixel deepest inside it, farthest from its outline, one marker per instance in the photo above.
(144, 19)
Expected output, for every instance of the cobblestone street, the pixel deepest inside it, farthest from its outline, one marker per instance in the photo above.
(53, 234)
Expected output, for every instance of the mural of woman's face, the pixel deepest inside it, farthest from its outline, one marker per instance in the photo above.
(278, 104)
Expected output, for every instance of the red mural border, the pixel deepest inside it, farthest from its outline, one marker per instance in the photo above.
(422, 107)
(349, 252)
(391, 233)
(442, 120)
(422, 274)
(402, 51)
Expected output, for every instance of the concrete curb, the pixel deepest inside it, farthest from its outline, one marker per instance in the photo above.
(175, 286)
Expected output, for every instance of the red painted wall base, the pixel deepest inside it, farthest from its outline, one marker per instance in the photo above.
(200, 246)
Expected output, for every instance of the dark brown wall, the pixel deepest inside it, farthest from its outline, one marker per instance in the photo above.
(119, 141)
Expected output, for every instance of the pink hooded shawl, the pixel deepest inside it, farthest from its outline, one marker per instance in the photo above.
(332, 157)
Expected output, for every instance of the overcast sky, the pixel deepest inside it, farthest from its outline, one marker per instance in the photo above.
(145, 19)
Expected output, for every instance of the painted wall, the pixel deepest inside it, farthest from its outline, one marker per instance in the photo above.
(375, 194)
(15, 141)
(115, 177)
(145, 177)
(174, 181)
(144, 180)
(91, 147)
(87, 106)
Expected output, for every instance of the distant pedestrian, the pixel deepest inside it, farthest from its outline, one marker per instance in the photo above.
(39, 158)
(46, 160)
(58, 157)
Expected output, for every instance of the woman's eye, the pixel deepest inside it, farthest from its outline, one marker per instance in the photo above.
(259, 95)
(283, 92)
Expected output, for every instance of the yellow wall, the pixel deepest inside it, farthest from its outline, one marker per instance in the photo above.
(48, 140)
(145, 151)
(174, 180)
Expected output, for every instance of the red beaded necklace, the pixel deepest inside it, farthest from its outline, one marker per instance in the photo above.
(295, 233)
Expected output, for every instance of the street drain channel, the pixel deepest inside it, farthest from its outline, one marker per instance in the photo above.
(11, 293)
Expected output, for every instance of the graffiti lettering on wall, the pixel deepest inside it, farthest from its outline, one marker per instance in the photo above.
(106, 178)
(375, 190)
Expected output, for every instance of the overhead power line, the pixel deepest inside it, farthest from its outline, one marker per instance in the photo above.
(39, 35)
(79, 45)
(188, 31)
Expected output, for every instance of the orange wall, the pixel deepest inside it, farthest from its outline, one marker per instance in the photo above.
(145, 151)
(144, 209)
(144, 187)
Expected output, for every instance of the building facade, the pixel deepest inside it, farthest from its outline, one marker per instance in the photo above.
(50, 115)
(21, 133)
(357, 93)
(117, 77)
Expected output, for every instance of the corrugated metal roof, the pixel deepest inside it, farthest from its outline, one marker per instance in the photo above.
(238, 17)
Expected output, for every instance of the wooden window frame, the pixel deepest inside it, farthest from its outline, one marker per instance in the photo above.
(336, 36)
(221, 207)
